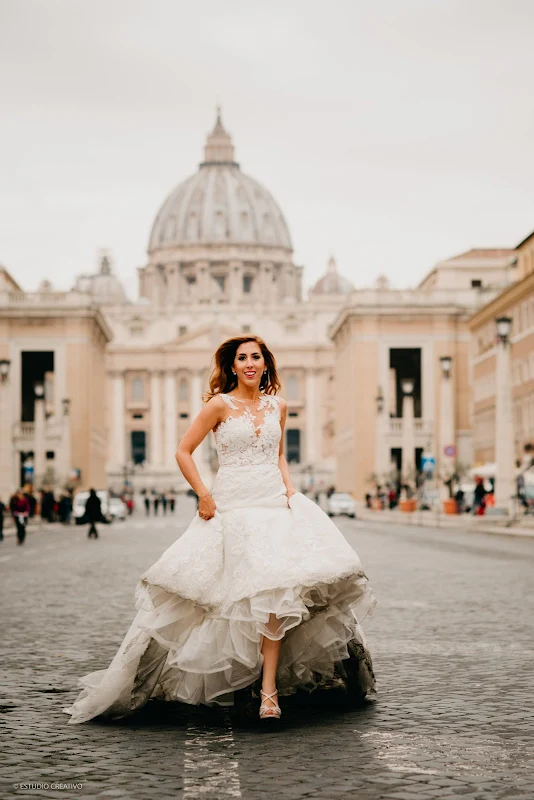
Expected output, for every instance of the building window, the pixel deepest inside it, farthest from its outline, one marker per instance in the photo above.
(220, 280)
(182, 330)
(293, 414)
(138, 389)
(184, 415)
(293, 446)
(247, 284)
(138, 446)
(183, 391)
(246, 328)
(292, 388)
(137, 416)
(50, 455)
(476, 284)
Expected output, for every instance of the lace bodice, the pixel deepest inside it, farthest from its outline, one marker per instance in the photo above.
(247, 438)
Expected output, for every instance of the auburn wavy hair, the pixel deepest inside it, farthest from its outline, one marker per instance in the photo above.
(222, 380)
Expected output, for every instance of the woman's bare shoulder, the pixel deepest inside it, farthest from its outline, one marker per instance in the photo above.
(216, 403)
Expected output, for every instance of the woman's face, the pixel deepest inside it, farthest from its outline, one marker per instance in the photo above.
(249, 364)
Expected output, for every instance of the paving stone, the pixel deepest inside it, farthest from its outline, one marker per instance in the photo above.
(452, 646)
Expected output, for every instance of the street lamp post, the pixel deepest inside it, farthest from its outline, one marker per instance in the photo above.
(39, 432)
(380, 444)
(408, 432)
(447, 446)
(66, 441)
(504, 421)
(6, 444)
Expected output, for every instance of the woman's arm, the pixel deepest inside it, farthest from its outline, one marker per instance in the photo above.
(282, 461)
(210, 414)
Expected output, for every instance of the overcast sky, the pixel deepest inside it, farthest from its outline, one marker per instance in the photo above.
(392, 133)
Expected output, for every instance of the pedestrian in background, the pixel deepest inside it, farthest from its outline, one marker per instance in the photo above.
(164, 502)
(2, 509)
(172, 500)
(20, 511)
(479, 502)
(47, 505)
(30, 497)
(156, 504)
(93, 513)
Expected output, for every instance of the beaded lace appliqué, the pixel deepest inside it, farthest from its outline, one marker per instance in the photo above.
(246, 439)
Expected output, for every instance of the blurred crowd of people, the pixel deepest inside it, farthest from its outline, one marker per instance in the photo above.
(154, 500)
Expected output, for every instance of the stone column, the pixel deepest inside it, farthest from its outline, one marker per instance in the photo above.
(39, 443)
(504, 430)
(155, 419)
(235, 289)
(118, 421)
(312, 419)
(203, 281)
(171, 427)
(200, 456)
(446, 425)
(408, 440)
(7, 485)
(265, 279)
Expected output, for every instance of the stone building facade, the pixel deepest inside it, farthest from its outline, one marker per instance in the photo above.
(55, 340)
(517, 304)
(386, 337)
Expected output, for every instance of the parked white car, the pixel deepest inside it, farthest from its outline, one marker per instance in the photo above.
(80, 499)
(117, 508)
(341, 503)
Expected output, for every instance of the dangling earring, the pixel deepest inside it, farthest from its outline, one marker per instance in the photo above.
(234, 373)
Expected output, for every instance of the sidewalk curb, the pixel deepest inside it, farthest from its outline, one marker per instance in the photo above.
(409, 520)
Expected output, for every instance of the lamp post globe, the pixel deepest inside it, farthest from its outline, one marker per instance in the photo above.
(4, 369)
(504, 326)
(407, 385)
(446, 366)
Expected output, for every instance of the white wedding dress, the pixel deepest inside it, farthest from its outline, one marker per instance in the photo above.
(204, 605)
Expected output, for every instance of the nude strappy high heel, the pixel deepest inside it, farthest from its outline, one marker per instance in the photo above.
(269, 711)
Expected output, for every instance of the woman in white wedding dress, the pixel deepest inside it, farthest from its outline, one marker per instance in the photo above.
(261, 584)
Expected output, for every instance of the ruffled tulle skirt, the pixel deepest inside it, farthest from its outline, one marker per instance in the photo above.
(203, 608)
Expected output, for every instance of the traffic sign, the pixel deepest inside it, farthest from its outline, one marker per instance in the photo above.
(428, 463)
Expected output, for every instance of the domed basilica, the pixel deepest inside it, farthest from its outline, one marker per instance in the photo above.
(374, 377)
(220, 262)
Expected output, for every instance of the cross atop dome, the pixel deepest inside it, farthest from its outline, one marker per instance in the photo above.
(219, 148)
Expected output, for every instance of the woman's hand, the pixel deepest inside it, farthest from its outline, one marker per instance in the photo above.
(290, 493)
(206, 507)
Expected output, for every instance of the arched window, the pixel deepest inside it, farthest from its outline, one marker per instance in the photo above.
(183, 390)
(292, 387)
(138, 389)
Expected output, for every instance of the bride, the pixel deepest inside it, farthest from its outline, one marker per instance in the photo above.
(260, 584)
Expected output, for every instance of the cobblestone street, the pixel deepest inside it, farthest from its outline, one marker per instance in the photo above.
(451, 639)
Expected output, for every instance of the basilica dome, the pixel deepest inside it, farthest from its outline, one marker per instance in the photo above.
(219, 205)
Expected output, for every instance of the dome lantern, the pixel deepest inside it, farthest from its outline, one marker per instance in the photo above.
(218, 148)
(332, 283)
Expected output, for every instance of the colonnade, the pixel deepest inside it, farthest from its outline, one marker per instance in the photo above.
(162, 428)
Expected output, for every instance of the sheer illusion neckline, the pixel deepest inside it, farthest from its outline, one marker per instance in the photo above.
(247, 414)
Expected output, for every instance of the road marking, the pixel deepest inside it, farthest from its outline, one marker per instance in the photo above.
(210, 770)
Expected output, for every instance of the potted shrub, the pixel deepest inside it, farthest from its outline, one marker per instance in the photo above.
(408, 503)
